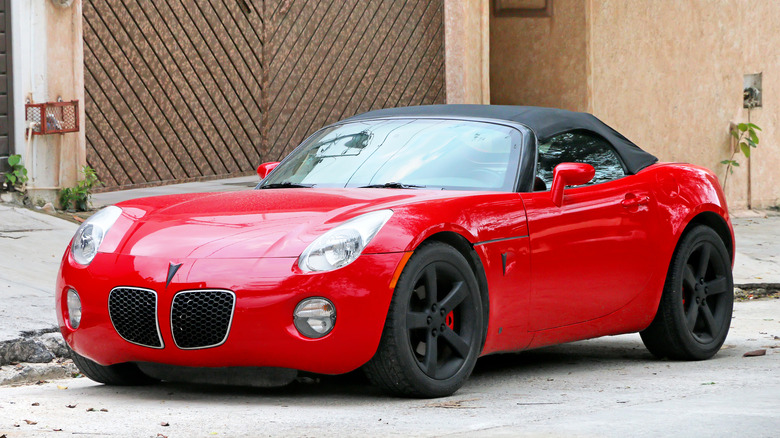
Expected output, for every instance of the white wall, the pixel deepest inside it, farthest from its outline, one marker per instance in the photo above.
(29, 41)
(48, 64)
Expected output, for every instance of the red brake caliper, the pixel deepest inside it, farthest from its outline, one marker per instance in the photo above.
(450, 321)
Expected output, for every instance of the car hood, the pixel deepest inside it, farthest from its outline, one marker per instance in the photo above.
(246, 224)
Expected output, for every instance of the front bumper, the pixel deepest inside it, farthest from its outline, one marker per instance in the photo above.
(262, 331)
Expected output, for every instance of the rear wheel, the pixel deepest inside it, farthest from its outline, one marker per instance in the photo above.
(123, 374)
(695, 310)
(434, 329)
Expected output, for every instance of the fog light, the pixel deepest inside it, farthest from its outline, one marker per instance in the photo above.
(74, 309)
(314, 317)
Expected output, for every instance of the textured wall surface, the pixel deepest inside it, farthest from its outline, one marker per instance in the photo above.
(540, 61)
(669, 76)
(468, 50)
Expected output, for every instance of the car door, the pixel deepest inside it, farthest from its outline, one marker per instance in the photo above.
(588, 255)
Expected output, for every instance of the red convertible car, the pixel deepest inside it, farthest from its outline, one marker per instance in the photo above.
(408, 242)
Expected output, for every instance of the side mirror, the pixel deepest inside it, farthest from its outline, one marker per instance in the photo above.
(264, 169)
(569, 174)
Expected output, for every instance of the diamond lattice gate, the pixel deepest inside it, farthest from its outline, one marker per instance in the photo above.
(182, 90)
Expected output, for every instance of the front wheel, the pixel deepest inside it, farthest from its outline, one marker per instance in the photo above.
(434, 328)
(694, 314)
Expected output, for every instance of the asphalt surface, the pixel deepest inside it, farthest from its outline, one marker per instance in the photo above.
(604, 387)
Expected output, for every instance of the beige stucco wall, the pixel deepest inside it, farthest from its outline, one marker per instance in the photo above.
(66, 81)
(666, 73)
(542, 60)
(669, 75)
(467, 51)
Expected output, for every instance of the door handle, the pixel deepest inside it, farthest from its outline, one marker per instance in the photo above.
(634, 201)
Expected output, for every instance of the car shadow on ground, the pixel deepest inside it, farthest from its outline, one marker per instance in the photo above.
(567, 357)
(354, 388)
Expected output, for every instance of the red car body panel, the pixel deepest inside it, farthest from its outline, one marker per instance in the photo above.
(613, 241)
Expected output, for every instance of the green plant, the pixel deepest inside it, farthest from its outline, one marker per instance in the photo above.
(17, 176)
(78, 197)
(747, 138)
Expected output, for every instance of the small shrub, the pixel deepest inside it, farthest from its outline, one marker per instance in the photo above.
(17, 176)
(747, 138)
(77, 198)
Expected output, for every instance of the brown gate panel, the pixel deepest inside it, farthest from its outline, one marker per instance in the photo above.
(173, 89)
(6, 86)
(330, 59)
(179, 90)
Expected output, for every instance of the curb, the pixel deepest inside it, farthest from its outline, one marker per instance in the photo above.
(34, 358)
(750, 291)
(36, 347)
(768, 286)
(37, 373)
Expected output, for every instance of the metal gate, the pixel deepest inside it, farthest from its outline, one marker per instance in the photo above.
(181, 90)
(6, 86)
(340, 58)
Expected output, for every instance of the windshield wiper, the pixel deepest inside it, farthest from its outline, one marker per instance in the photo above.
(285, 185)
(391, 185)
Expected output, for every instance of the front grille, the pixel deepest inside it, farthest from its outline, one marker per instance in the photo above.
(201, 319)
(133, 312)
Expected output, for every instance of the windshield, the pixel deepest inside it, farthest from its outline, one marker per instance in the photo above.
(405, 153)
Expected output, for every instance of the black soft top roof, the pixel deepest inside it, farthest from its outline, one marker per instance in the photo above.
(544, 122)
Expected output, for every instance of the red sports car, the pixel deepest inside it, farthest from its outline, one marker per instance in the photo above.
(408, 242)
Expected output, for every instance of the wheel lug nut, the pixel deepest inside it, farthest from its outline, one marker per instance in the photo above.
(434, 307)
(442, 312)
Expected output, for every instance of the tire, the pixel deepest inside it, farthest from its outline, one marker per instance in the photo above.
(694, 314)
(430, 342)
(123, 374)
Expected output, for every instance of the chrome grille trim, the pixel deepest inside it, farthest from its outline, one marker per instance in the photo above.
(196, 291)
(155, 317)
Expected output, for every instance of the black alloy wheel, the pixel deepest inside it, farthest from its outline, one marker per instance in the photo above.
(440, 324)
(434, 329)
(694, 315)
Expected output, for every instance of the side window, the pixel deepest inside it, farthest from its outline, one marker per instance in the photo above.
(577, 147)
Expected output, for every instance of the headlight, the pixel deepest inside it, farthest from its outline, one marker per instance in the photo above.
(90, 234)
(342, 245)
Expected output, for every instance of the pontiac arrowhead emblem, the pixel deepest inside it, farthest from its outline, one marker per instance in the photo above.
(171, 272)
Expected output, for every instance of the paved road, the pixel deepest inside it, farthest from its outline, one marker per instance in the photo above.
(31, 247)
(758, 250)
(603, 387)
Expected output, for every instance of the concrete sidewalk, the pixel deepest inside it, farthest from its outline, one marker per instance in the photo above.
(757, 258)
(31, 245)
